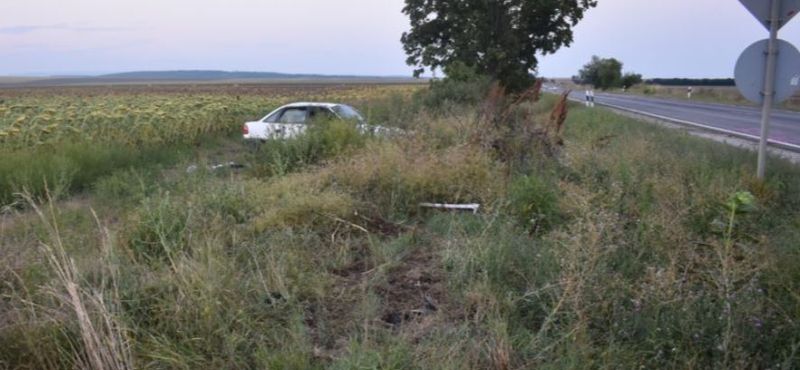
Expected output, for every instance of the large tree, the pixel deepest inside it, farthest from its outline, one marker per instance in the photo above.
(498, 38)
(606, 73)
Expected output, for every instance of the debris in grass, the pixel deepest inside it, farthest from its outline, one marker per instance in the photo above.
(603, 141)
(460, 207)
(194, 168)
(393, 318)
(428, 304)
(227, 165)
(413, 292)
(274, 298)
(398, 317)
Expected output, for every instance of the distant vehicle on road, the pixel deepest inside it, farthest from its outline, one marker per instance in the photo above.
(293, 119)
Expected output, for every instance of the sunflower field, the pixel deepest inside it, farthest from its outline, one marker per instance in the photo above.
(35, 120)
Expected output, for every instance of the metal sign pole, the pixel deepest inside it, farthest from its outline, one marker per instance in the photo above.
(769, 86)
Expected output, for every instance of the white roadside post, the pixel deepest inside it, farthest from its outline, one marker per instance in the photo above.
(689, 93)
(591, 98)
(769, 87)
(587, 98)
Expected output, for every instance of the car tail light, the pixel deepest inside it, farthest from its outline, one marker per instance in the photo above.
(245, 130)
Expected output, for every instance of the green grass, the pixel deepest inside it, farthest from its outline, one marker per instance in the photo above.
(622, 251)
(720, 95)
(77, 167)
(708, 94)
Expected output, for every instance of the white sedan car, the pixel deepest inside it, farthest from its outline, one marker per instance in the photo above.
(292, 119)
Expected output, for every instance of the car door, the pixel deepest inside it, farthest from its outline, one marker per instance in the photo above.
(289, 123)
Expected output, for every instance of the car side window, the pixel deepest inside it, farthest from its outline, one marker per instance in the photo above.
(293, 115)
(320, 114)
(273, 118)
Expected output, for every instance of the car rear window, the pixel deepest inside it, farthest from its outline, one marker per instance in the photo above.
(348, 112)
(273, 118)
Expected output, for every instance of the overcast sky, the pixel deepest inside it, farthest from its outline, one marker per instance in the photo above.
(659, 38)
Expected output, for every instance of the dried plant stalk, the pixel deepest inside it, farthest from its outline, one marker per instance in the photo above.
(559, 115)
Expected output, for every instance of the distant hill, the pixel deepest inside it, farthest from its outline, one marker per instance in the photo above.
(215, 75)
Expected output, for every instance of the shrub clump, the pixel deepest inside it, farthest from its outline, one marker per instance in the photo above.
(397, 177)
(462, 86)
(159, 229)
(322, 141)
(300, 200)
(534, 201)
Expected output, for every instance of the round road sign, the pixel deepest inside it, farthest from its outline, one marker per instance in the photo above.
(751, 70)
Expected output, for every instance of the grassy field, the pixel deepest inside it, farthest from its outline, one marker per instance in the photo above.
(711, 94)
(708, 94)
(601, 242)
(16, 80)
(716, 94)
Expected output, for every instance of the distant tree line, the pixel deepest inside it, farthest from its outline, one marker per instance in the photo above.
(606, 73)
(692, 81)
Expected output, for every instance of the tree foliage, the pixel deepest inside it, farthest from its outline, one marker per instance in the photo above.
(606, 73)
(498, 38)
(630, 79)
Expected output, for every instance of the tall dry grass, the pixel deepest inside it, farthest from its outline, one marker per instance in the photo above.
(94, 333)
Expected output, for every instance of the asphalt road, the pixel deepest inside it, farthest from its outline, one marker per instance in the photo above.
(784, 126)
